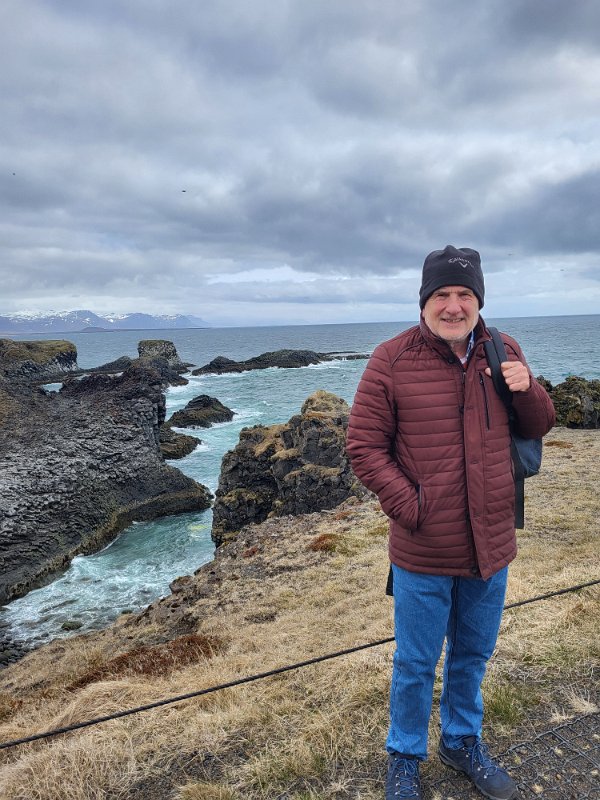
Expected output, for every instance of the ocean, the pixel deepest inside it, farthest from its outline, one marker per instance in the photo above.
(139, 565)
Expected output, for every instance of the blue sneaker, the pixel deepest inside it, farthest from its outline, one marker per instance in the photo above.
(473, 759)
(403, 778)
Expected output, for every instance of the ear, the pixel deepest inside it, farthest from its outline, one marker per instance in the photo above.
(488, 372)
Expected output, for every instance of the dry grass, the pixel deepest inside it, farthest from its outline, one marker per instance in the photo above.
(325, 542)
(158, 660)
(317, 732)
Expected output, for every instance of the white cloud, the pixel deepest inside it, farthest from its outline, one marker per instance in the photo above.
(296, 161)
(283, 274)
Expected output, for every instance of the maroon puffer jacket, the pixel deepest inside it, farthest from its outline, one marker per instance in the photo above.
(431, 440)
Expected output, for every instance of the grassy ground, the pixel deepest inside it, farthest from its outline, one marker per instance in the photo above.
(289, 590)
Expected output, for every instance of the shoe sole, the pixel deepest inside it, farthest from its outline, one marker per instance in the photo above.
(449, 763)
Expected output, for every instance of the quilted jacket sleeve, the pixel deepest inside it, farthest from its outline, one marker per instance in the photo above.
(370, 442)
(534, 409)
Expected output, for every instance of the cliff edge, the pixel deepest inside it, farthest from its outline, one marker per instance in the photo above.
(79, 465)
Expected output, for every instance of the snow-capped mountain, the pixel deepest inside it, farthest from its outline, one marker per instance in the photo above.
(73, 321)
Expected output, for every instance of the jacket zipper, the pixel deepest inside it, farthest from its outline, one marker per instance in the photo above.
(485, 400)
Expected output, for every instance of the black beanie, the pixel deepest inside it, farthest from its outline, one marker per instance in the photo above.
(452, 266)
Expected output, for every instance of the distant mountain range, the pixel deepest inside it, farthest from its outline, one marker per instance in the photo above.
(76, 321)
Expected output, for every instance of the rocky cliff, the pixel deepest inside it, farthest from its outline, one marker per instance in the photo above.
(37, 361)
(79, 465)
(294, 468)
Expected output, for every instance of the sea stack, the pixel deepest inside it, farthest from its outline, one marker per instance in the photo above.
(294, 468)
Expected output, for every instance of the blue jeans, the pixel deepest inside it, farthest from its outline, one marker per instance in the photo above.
(427, 608)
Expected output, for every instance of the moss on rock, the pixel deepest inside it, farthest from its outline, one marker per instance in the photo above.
(41, 352)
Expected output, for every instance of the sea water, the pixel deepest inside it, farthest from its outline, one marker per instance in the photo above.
(139, 565)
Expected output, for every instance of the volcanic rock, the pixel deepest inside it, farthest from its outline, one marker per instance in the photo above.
(201, 412)
(295, 468)
(162, 356)
(78, 466)
(284, 359)
(176, 445)
(41, 361)
(118, 365)
(577, 402)
(161, 348)
(288, 359)
(157, 354)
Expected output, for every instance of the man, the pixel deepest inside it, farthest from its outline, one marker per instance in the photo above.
(429, 435)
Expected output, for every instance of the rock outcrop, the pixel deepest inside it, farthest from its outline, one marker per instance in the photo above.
(201, 412)
(576, 400)
(169, 376)
(48, 360)
(279, 358)
(78, 466)
(52, 361)
(161, 348)
(118, 365)
(157, 354)
(284, 359)
(295, 468)
(176, 445)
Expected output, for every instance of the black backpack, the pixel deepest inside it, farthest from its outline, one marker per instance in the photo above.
(526, 453)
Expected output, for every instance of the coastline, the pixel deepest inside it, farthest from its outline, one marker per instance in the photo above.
(289, 589)
(77, 467)
(275, 383)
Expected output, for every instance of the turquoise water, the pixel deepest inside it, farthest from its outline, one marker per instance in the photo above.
(140, 564)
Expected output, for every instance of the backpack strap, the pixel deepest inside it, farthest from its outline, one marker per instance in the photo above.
(389, 586)
(495, 353)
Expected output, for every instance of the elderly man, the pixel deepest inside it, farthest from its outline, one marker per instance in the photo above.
(430, 436)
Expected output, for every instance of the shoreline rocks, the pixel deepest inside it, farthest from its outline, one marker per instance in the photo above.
(284, 359)
(37, 361)
(201, 412)
(161, 348)
(175, 445)
(54, 361)
(294, 468)
(113, 367)
(162, 356)
(576, 400)
(78, 466)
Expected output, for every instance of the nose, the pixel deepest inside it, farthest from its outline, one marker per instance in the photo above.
(453, 306)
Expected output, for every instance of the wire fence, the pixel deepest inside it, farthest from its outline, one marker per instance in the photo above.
(260, 676)
(562, 763)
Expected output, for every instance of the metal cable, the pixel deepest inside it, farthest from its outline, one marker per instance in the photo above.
(251, 678)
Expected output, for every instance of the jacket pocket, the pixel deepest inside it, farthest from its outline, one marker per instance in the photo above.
(421, 506)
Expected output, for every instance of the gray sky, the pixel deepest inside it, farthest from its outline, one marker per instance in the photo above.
(294, 161)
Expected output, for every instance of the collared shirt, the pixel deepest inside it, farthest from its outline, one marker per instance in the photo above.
(464, 360)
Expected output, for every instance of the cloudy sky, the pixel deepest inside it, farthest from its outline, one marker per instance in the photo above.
(293, 161)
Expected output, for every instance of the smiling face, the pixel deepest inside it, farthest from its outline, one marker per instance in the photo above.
(451, 313)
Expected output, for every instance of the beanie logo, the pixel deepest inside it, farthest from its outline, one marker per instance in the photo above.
(464, 263)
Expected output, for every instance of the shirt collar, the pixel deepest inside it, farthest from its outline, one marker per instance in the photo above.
(469, 348)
